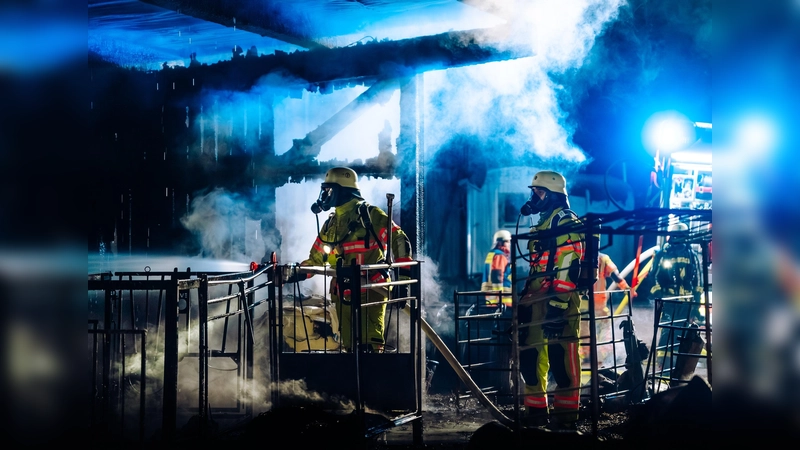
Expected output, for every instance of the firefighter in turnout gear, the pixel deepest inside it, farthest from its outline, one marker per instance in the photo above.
(355, 232)
(497, 270)
(549, 307)
(606, 268)
(677, 284)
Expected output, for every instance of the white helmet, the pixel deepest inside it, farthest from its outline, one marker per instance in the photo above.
(504, 235)
(677, 226)
(552, 181)
(343, 176)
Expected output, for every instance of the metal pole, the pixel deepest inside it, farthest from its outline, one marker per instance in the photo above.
(250, 354)
(170, 395)
(592, 249)
(708, 312)
(515, 337)
(355, 334)
(202, 303)
(389, 199)
(274, 346)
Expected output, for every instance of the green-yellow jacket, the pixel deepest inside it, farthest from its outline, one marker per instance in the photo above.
(349, 240)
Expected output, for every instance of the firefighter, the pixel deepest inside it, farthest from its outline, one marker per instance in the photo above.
(606, 268)
(677, 285)
(549, 307)
(355, 232)
(497, 270)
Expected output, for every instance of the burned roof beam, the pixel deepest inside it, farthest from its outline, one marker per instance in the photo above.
(308, 148)
(361, 63)
(261, 19)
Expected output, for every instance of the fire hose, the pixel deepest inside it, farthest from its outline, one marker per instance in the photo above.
(462, 374)
(639, 277)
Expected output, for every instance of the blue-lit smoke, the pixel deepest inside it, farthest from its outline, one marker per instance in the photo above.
(518, 104)
(515, 104)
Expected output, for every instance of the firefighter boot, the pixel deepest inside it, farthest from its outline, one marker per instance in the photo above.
(535, 417)
(563, 424)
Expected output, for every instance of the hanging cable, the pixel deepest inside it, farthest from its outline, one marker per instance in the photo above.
(516, 233)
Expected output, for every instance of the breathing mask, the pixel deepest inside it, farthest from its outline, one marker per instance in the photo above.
(326, 199)
(535, 205)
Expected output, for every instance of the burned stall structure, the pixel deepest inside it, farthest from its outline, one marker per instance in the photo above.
(185, 357)
(674, 348)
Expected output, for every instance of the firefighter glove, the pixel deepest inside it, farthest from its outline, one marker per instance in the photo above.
(293, 276)
(625, 286)
(554, 324)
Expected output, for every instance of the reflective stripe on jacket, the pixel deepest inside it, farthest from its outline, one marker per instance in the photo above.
(350, 241)
(569, 251)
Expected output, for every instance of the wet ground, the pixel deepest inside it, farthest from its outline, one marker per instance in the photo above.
(446, 426)
(450, 423)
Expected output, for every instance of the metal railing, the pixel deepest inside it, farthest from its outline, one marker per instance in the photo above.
(212, 316)
(121, 304)
(385, 377)
(638, 223)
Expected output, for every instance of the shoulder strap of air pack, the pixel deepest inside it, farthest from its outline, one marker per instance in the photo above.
(560, 215)
(363, 211)
(551, 261)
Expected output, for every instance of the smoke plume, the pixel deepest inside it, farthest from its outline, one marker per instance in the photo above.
(517, 105)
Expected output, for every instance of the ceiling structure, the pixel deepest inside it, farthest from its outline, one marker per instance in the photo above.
(318, 45)
(148, 34)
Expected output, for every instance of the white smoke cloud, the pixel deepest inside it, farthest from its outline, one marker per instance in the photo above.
(221, 222)
(518, 101)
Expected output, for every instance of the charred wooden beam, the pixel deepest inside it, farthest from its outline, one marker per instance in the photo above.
(325, 69)
(259, 18)
(308, 148)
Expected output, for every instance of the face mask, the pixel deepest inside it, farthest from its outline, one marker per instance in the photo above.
(534, 205)
(327, 196)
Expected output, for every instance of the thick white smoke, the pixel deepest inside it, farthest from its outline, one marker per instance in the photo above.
(515, 103)
(518, 101)
(221, 222)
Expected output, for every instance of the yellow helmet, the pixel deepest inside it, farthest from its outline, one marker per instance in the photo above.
(552, 181)
(502, 234)
(343, 176)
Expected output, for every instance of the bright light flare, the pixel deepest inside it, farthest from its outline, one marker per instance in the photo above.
(669, 131)
(692, 157)
(671, 135)
(327, 249)
(756, 133)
